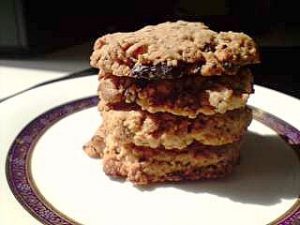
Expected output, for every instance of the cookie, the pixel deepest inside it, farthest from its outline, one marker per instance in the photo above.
(142, 165)
(172, 50)
(187, 96)
(173, 132)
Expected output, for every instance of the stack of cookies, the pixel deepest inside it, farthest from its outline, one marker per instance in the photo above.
(173, 102)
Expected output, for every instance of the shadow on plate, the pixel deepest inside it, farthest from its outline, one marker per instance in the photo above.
(267, 173)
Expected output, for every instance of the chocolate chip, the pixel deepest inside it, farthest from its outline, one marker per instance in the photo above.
(209, 48)
(141, 83)
(163, 71)
(159, 71)
(223, 46)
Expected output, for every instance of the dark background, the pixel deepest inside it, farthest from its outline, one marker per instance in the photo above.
(33, 27)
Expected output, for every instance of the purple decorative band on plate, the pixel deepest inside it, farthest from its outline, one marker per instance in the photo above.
(292, 137)
(289, 133)
(18, 161)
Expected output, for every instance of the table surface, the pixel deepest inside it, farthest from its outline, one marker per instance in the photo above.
(20, 73)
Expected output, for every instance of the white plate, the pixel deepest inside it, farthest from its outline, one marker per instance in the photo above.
(51, 177)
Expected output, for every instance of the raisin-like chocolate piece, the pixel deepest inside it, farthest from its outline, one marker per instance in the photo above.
(163, 71)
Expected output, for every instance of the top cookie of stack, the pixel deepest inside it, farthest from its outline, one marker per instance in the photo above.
(173, 50)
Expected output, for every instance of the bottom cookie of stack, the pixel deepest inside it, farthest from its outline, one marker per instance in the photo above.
(144, 165)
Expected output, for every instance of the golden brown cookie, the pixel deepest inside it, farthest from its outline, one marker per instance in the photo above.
(187, 96)
(166, 130)
(142, 165)
(172, 50)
